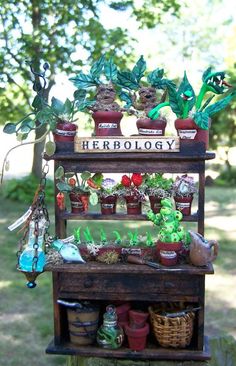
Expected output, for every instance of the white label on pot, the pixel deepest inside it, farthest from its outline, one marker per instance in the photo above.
(76, 204)
(187, 134)
(168, 254)
(132, 204)
(107, 125)
(136, 251)
(182, 205)
(65, 133)
(107, 205)
(21, 220)
(145, 131)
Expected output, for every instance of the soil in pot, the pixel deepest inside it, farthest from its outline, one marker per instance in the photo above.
(183, 204)
(108, 204)
(107, 123)
(79, 202)
(149, 127)
(133, 205)
(137, 337)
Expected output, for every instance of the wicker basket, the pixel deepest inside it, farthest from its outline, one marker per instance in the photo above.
(172, 332)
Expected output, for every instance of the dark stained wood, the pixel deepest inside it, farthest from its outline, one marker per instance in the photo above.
(149, 353)
(130, 282)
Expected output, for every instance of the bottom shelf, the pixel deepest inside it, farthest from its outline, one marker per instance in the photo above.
(151, 352)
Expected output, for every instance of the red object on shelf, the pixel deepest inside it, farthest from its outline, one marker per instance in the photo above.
(137, 337)
(137, 318)
(183, 204)
(107, 123)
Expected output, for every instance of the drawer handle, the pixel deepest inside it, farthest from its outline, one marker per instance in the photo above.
(88, 283)
(169, 285)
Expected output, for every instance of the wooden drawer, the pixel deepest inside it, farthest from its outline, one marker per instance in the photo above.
(115, 285)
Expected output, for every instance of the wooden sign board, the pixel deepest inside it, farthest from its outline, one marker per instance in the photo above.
(115, 144)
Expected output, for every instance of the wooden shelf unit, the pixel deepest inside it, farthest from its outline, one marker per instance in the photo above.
(107, 283)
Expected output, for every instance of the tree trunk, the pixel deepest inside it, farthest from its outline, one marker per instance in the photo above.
(37, 153)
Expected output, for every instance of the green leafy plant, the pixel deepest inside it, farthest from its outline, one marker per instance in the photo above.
(157, 185)
(42, 112)
(23, 189)
(72, 182)
(168, 224)
(102, 77)
(131, 82)
(184, 102)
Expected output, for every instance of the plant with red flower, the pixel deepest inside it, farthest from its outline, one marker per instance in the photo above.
(137, 179)
(125, 181)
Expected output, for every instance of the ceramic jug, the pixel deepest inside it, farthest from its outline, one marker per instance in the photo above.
(202, 251)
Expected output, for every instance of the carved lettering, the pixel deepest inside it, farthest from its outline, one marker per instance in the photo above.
(95, 144)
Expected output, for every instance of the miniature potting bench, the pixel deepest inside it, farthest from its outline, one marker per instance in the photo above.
(106, 283)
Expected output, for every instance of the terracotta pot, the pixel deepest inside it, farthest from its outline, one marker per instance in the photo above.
(155, 203)
(187, 129)
(108, 205)
(137, 337)
(79, 202)
(133, 205)
(137, 318)
(183, 204)
(122, 311)
(107, 123)
(65, 131)
(167, 253)
(149, 127)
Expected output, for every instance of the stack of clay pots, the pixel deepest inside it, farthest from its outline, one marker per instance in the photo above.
(137, 330)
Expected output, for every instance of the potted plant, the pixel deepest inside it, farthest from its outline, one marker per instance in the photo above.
(141, 97)
(106, 112)
(80, 193)
(194, 113)
(58, 117)
(183, 189)
(108, 196)
(133, 191)
(171, 235)
(157, 188)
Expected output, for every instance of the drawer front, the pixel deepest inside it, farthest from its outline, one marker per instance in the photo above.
(128, 284)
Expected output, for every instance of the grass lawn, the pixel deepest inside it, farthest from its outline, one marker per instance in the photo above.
(26, 321)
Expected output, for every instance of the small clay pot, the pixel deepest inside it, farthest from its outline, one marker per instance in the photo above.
(107, 123)
(133, 205)
(65, 131)
(167, 253)
(137, 318)
(187, 129)
(122, 311)
(183, 204)
(79, 202)
(108, 205)
(137, 337)
(149, 127)
(155, 203)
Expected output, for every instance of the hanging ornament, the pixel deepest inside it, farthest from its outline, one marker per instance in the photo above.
(31, 254)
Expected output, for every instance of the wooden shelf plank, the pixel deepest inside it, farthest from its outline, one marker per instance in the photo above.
(65, 215)
(152, 352)
(96, 267)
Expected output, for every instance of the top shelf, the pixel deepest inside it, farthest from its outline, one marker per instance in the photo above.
(190, 159)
